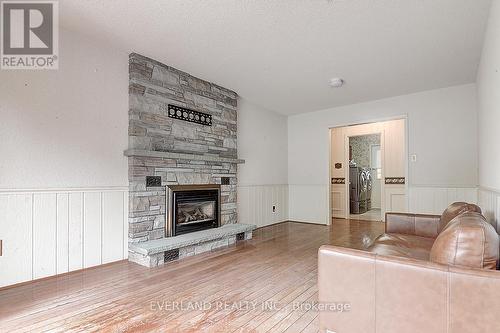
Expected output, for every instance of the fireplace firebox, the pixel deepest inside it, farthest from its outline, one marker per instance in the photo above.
(192, 208)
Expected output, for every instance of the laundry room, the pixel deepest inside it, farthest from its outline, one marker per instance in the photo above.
(365, 172)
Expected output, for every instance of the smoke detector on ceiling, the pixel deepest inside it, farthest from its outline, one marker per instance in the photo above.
(336, 82)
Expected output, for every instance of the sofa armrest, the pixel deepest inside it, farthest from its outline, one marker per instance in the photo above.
(393, 294)
(412, 224)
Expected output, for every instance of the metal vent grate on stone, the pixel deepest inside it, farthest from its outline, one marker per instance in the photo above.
(153, 181)
(240, 236)
(192, 116)
(171, 255)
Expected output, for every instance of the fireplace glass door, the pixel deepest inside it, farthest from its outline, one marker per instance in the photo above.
(194, 210)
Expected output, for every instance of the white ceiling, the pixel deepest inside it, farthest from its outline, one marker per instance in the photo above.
(281, 54)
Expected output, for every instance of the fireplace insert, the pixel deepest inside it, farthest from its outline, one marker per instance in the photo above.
(192, 208)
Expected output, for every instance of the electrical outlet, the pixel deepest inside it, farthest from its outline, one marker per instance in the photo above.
(274, 209)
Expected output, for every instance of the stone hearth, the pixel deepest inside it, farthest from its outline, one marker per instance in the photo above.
(178, 151)
(157, 252)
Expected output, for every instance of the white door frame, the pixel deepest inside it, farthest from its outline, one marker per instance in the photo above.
(407, 171)
(381, 170)
(347, 206)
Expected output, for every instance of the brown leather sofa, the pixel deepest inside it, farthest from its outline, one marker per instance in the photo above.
(426, 274)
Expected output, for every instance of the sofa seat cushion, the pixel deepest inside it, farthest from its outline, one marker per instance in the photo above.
(400, 245)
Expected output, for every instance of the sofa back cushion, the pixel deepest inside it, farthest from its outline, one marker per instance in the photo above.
(453, 211)
(468, 241)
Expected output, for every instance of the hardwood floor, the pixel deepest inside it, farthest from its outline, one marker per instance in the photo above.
(275, 271)
(372, 215)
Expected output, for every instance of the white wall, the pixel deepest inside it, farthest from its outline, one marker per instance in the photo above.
(488, 84)
(262, 142)
(66, 128)
(441, 132)
(262, 180)
(63, 176)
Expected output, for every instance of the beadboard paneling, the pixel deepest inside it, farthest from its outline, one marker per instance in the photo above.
(92, 226)
(75, 237)
(255, 204)
(489, 201)
(48, 232)
(434, 200)
(112, 241)
(44, 234)
(62, 259)
(16, 230)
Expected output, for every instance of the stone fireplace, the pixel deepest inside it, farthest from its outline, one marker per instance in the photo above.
(182, 135)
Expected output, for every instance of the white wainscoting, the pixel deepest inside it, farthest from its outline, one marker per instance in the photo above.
(434, 200)
(489, 201)
(338, 200)
(309, 203)
(55, 231)
(255, 204)
(395, 199)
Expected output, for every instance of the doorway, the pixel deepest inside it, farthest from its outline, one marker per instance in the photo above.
(368, 170)
(365, 174)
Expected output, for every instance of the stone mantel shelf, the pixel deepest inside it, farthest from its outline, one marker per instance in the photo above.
(183, 156)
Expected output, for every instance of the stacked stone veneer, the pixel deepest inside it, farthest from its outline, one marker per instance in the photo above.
(152, 87)
(361, 145)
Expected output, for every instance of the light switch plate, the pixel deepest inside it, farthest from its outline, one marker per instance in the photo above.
(413, 158)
